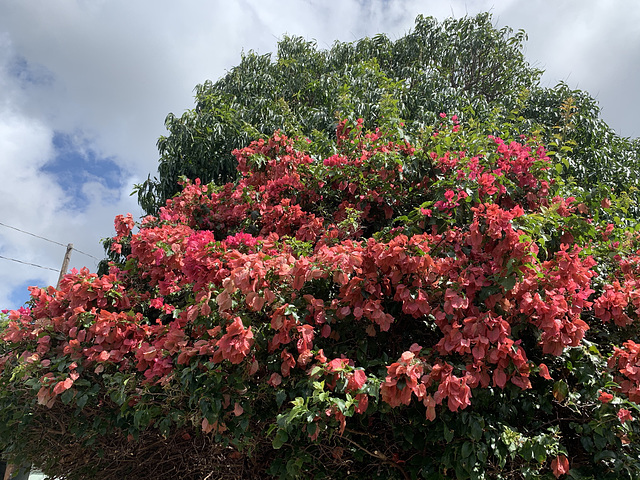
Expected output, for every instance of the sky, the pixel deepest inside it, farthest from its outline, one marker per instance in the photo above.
(85, 86)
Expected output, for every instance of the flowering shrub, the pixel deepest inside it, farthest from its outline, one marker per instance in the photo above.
(446, 309)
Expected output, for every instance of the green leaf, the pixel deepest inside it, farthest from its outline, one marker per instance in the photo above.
(67, 396)
(281, 396)
(508, 282)
(82, 400)
(475, 430)
(560, 390)
(280, 439)
(448, 433)
(604, 454)
(467, 450)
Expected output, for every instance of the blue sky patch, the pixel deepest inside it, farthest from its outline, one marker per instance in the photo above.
(29, 74)
(76, 163)
(20, 295)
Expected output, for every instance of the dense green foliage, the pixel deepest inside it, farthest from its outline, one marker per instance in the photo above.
(447, 309)
(399, 294)
(303, 90)
(464, 66)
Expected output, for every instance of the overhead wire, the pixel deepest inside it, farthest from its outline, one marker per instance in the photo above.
(48, 240)
(27, 263)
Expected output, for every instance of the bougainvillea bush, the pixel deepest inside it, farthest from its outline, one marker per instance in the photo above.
(445, 308)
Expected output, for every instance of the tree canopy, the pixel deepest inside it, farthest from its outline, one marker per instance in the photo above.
(464, 66)
(438, 310)
(303, 90)
(402, 299)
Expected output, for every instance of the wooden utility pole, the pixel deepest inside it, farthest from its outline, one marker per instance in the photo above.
(21, 474)
(65, 264)
(10, 468)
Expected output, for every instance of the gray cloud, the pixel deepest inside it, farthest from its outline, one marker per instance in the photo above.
(593, 45)
(107, 73)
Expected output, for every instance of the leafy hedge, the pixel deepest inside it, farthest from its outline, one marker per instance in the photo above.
(449, 308)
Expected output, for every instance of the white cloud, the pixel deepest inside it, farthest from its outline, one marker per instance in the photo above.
(29, 198)
(107, 73)
(34, 202)
(593, 45)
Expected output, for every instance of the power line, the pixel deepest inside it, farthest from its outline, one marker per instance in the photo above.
(88, 255)
(48, 240)
(33, 234)
(27, 263)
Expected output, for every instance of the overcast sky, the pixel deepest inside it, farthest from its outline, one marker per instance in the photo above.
(85, 86)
